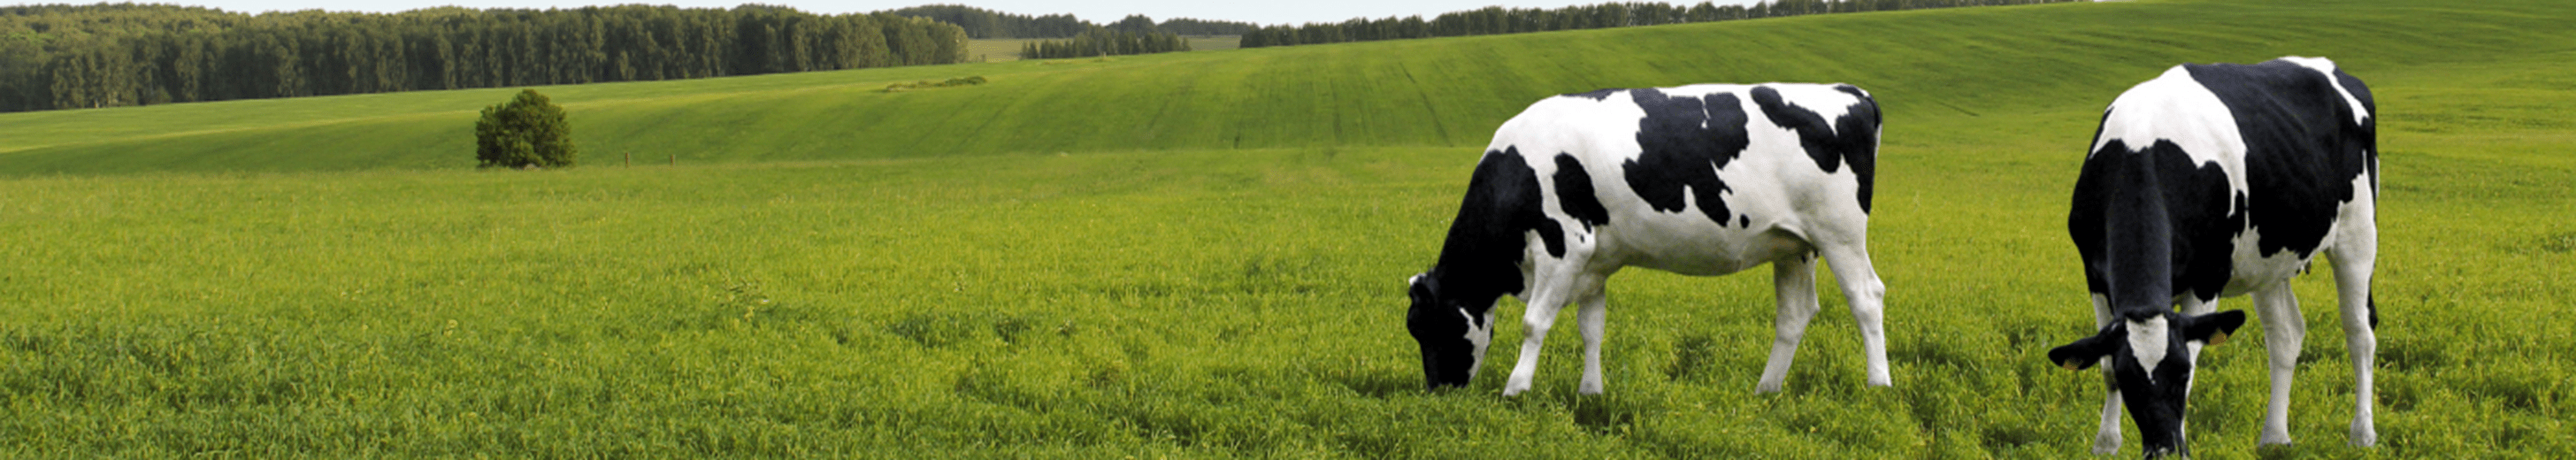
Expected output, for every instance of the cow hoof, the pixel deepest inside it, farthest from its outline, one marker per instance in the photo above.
(1766, 388)
(2106, 443)
(2364, 436)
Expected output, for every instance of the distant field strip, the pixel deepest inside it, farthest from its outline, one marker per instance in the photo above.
(995, 49)
(1008, 49)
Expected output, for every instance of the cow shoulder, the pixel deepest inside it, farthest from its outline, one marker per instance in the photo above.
(2175, 140)
(1574, 193)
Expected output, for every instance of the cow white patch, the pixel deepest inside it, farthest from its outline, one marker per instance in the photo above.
(1480, 333)
(2325, 66)
(2147, 342)
(2174, 107)
(2252, 270)
(1825, 100)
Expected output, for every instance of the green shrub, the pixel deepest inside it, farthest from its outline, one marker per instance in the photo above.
(527, 132)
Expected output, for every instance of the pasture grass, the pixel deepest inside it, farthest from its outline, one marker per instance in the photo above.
(1202, 303)
(327, 277)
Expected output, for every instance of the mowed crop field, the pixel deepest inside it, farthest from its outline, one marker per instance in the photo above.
(1203, 255)
(995, 49)
(1008, 49)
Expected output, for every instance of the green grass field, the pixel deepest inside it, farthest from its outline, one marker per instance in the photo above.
(1202, 255)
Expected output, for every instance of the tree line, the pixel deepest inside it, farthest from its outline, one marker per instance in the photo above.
(1103, 41)
(106, 55)
(1187, 26)
(982, 23)
(1498, 20)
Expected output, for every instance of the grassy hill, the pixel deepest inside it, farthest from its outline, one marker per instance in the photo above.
(1931, 68)
(1200, 255)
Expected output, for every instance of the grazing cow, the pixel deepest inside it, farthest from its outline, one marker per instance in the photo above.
(1699, 180)
(2214, 181)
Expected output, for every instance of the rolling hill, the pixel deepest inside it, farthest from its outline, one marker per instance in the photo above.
(1935, 70)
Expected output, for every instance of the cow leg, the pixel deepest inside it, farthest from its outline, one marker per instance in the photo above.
(2353, 257)
(2194, 306)
(2107, 440)
(2283, 331)
(1861, 288)
(1793, 281)
(1539, 315)
(1595, 303)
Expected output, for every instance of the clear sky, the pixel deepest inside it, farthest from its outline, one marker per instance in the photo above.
(1257, 12)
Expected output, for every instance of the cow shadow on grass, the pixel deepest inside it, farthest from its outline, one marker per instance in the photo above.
(1607, 414)
(1375, 381)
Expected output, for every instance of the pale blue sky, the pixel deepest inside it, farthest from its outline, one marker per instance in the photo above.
(1257, 12)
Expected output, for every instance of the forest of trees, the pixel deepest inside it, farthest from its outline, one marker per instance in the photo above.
(106, 55)
(1187, 26)
(1104, 41)
(983, 23)
(1499, 20)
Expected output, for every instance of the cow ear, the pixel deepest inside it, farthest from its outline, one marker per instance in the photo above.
(2084, 352)
(1421, 288)
(2213, 329)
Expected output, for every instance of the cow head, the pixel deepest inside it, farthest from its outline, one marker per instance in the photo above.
(1453, 338)
(2152, 366)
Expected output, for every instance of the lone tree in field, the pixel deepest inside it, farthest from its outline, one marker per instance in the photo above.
(529, 131)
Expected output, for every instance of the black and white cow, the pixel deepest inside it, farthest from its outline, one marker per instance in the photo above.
(1698, 180)
(2214, 181)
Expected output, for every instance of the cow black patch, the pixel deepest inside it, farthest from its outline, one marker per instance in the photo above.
(1481, 260)
(2302, 149)
(2373, 303)
(2112, 227)
(1849, 139)
(2369, 129)
(1574, 192)
(1685, 141)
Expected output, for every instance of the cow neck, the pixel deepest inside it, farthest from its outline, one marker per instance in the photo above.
(1474, 277)
(1488, 241)
(2138, 233)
